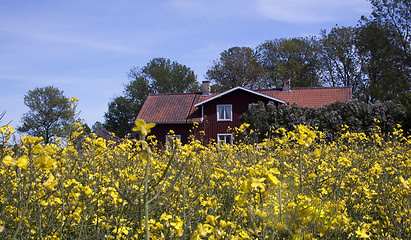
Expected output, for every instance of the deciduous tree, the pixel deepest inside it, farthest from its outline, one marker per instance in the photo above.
(165, 76)
(384, 44)
(50, 114)
(340, 62)
(397, 14)
(385, 74)
(237, 66)
(295, 58)
(160, 75)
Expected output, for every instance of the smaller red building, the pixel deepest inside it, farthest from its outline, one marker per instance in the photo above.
(217, 112)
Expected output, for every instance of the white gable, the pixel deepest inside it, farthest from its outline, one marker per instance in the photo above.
(239, 88)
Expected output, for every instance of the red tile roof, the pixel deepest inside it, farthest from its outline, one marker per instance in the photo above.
(180, 108)
(311, 97)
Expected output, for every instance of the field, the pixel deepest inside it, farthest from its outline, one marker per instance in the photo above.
(295, 185)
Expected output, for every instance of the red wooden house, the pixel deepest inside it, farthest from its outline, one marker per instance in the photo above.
(217, 112)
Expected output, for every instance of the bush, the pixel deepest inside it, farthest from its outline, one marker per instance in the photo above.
(330, 119)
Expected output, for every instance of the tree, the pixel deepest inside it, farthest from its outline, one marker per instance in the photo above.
(397, 14)
(97, 125)
(295, 58)
(120, 116)
(123, 110)
(160, 75)
(384, 43)
(165, 76)
(341, 64)
(237, 66)
(386, 75)
(51, 113)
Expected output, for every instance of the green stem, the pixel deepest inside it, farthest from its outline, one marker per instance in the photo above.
(23, 215)
(146, 208)
(300, 163)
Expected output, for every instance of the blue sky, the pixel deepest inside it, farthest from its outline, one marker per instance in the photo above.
(86, 47)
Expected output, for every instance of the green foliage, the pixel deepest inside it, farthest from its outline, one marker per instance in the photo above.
(384, 44)
(237, 66)
(160, 75)
(396, 13)
(119, 117)
(296, 58)
(330, 119)
(165, 76)
(405, 100)
(386, 74)
(339, 58)
(50, 114)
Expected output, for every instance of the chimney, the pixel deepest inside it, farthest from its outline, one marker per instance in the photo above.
(286, 85)
(206, 88)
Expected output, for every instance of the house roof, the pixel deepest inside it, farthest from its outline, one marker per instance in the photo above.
(239, 88)
(106, 134)
(311, 97)
(183, 108)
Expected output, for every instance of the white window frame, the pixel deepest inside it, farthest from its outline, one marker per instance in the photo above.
(219, 118)
(225, 139)
(170, 139)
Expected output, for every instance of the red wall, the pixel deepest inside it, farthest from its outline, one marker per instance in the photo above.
(161, 130)
(239, 99)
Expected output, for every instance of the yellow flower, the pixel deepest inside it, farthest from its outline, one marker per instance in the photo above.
(143, 127)
(165, 217)
(258, 183)
(50, 183)
(178, 225)
(45, 162)
(6, 130)
(73, 99)
(243, 235)
(87, 191)
(144, 157)
(224, 224)
(312, 175)
(273, 180)
(241, 200)
(361, 233)
(280, 226)
(211, 219)
(9, 161)
(203, 230)
(28, 140)
(316, 153)
(37, 149)
(23, 162)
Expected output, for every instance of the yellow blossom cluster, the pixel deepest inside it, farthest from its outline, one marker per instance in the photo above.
(296, 186)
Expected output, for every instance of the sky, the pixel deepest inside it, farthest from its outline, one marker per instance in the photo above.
(87, 47)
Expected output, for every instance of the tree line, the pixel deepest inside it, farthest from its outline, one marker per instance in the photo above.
(373, 58)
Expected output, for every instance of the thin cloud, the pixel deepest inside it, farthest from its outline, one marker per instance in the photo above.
(83, 41)
(27, 80)
(314, 11)
(215, 10)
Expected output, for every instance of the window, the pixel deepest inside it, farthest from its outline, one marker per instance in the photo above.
(224, 112)
(225, 138)
(170, 139)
